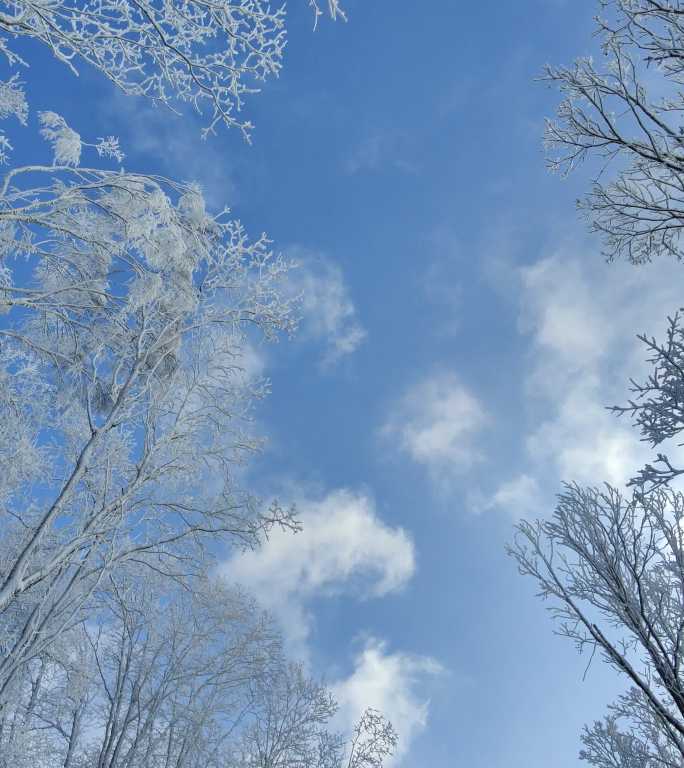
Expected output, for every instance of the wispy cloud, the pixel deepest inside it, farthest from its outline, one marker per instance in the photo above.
(381, 149)
(329, 316)
(521, 496)
(344, 548)
(436, 424)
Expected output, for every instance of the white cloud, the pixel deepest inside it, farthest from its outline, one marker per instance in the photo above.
(585, 442)
(344, 547)
(582, 319)
(436, 423)
(391, 683)
(328, 312)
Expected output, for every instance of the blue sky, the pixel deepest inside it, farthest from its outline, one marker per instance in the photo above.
(461, 335)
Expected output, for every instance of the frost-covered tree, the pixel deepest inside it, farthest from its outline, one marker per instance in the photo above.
(208, 53)
(127, 308)
(289, 727)
(155, 677)
(628, 109)
(127, 311)
(613, 567)
(158, 678)
(611, 563)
